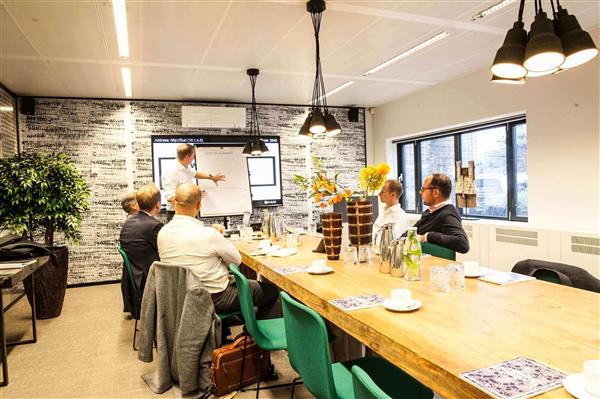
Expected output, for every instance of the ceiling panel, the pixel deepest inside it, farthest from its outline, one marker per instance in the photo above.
(161, 83)
(178, 32)
(432, 8)
(60, 28)
(12, 40)
(38, 79)
(78, 79)
(240, 42)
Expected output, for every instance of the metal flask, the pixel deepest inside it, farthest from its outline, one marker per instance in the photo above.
(386, 236)
(397, 264)
(266, 223)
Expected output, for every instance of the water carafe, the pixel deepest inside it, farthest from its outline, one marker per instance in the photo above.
(397, 264)
(386, 236)
(412, 255)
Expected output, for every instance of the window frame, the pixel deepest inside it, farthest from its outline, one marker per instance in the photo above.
(511, 174)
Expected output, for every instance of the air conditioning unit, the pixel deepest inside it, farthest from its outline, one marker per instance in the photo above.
(213, 117)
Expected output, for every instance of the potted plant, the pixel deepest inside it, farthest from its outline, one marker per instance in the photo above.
(360, 210)
(40, 195)
(326, 191)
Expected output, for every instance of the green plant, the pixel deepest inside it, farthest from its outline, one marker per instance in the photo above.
(42, 194)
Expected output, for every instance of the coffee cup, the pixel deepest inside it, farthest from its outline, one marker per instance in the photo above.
(318, 264)
(591, 377)
(401, 297)
(471, 267)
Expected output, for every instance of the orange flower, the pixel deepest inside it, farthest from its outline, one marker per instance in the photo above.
(323, 205)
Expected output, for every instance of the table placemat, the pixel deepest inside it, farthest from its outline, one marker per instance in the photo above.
(358, 302)
(518, 378)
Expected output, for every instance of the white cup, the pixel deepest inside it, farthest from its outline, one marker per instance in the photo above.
(235, 237)
(401, 296)
(591, 376)
(264, 244)
(318, 264)
(471, 267)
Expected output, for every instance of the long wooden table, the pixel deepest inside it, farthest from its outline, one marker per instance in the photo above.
(452, 332)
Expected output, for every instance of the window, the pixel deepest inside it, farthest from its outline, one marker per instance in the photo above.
(499, 150)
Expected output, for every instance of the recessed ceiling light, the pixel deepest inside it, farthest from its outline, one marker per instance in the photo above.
(490, 10)
(126, 75)
(6, 108)
(408, 52)
(120, 14)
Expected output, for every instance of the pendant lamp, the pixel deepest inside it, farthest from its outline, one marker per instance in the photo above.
(552, 46)
(254, 146)
(319, 122)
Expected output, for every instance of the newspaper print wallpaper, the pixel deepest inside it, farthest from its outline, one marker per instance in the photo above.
(109, 141)
(8, 124)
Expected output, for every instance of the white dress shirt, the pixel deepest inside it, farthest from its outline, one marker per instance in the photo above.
(185, 241)
(173, 178)
(393, 214)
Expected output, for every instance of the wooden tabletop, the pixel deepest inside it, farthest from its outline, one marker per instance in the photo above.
(452, 332)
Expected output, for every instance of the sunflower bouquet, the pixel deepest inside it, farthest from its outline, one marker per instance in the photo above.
(323, 190)
(371, 178)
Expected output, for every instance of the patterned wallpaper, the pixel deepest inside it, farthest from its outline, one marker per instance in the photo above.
(110, 142)
(8, 125)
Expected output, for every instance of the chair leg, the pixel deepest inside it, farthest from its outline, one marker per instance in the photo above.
(135, 330)
(243, 363)
(258, 373)
(294, 386)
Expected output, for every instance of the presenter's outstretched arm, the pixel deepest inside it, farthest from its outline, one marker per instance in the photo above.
(216, 178)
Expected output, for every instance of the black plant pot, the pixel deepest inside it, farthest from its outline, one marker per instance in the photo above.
(50, 285)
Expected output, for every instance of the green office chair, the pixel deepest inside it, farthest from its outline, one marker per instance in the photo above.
(136, 291)
(438, 250)
(309, 356)
(268, 334)
(365, 387)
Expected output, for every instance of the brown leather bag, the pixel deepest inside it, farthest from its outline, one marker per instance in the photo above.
(227, 365)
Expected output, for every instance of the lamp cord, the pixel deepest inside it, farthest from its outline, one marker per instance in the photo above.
(254, 128)
(318, 98)
(521, 9)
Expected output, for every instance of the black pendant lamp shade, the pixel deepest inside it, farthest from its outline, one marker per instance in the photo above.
(254, 145)
(577, 44)
(551, 47)
(320, 121)
(544, 50)
(509, 58)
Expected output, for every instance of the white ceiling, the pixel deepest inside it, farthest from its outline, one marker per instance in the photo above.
(200, 50)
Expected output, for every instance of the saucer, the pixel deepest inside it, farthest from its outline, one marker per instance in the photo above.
(323, 270)
(393, 306)
(283, 252)
(478, 273)
(574, 385)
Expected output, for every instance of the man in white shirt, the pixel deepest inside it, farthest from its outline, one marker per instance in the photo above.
(390, 195)
(183, 173)
(185, 241)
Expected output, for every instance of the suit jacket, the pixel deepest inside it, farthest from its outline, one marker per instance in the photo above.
(179, 312)
(444, 227)
(138, 239)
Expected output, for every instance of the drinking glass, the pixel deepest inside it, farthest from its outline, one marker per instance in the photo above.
(291, 240)
(457, 272)
(439, 279)
(350, 256)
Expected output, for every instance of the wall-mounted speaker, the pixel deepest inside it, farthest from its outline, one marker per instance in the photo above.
(353, 115)
(28, 105)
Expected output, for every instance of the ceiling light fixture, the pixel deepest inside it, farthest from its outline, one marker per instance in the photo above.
(490, 10)
(254, 146)
(408, 52)
(319, 121)
(550, 47)
(120, 15)
(126, 76)
(6, 108)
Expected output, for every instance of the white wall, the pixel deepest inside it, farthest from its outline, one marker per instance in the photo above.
(562, 125)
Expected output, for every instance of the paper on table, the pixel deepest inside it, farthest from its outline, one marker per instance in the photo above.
(16, 265)
(518, 378)
(285, 270)
(505, 278)
(358, 302)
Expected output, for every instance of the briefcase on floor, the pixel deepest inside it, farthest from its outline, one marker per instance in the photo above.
(227, 365)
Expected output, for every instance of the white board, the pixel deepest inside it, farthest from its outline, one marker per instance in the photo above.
(229, 197)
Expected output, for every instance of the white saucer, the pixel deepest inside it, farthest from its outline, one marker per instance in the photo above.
(389, 304)
(478, 273)
(574, 385)
(322, 270)
(283, 252)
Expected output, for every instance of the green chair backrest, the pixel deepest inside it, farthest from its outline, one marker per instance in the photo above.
(308, 348)
(438, 250)
(547, 275)
(129, 270)
(365, 387)
(247, 306)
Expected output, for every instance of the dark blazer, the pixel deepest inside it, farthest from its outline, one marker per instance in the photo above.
(138, 239)
(444, 227)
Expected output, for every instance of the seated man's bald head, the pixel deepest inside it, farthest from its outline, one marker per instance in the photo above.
(187, 198)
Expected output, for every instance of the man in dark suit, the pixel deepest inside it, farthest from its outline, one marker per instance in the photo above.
(138, 238)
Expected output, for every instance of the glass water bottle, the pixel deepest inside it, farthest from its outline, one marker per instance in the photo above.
(412, 256)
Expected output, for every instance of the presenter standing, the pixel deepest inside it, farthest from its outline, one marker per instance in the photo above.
(183, 173)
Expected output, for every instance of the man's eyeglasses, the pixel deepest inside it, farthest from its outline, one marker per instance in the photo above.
(428, 188)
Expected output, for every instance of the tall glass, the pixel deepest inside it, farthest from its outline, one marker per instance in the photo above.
(412, 256)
